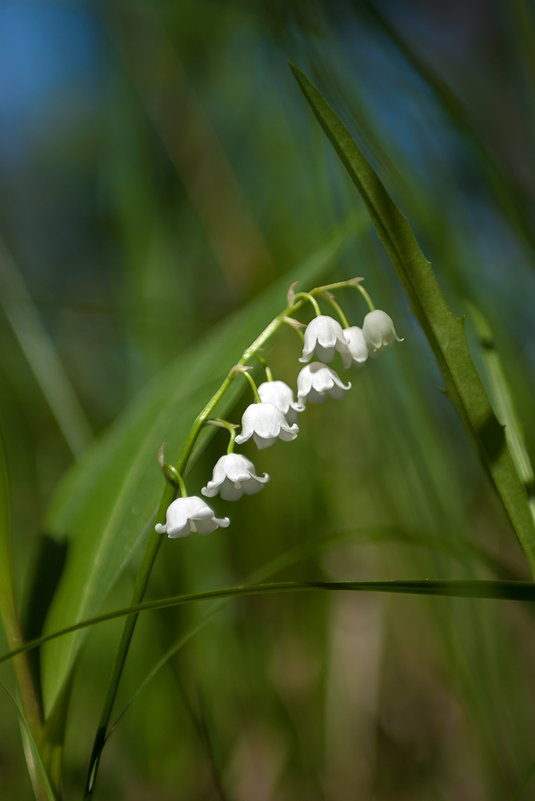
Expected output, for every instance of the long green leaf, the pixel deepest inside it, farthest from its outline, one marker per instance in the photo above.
(509, 195)
(505, 407)
(106, 504)
(443, 329)
(38, 774)
(7, 603)
(485, 590)
(298, 553)
(41, 354)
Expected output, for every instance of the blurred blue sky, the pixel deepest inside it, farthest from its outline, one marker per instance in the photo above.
(50, 54)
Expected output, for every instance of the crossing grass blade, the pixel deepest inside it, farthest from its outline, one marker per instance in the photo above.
(444, 331)
(522, 591)
(505, 407)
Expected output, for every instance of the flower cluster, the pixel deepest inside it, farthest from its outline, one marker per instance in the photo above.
(274, 413)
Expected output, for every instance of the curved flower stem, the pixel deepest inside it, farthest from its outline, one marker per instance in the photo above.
(171, 474)
(154, 540)
(309, 296)
(230, 448)
(355, 282)
(337, 285)
(252, 382)
(336, 306)
(231, 428)
(265, 365)
(151, 551)
(365, 296)
(179, 480)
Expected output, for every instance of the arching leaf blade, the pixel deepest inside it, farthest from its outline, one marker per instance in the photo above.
(106, 503)
(444, 331)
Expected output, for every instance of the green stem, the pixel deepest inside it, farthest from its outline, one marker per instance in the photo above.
(10, 621)
(154, 541)
(365, 296)
(231, 428)
(183, 490)
(337, 308)
(355, 282)
(265, 365)
(149, 557)
(230, 448)
(252, 382)
(309, 296)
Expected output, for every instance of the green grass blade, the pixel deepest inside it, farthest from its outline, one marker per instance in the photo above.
(8, 610)
(509, 195)
(107, 502)
(41, 783)
(299, 554)
(523, 591)
(443, 329)
(505, 407)
(41, 355)
(7, 603)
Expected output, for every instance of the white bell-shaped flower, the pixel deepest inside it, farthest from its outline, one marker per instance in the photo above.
(280, 395)
(316, 382)
(233, 476)
(187, 515)
(379, 331)
(357, 344)
(325, 336)
(264, 422)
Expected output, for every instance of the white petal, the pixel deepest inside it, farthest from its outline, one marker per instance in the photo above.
(288, 433)
(324, 335)
(229, 492)
(280, 394)
(315, 397)
(325, 354)
(316, 380)
(357, 344)
(262, 442)
(233, 476)
(264, 422)
(378, 330)
(185, 515)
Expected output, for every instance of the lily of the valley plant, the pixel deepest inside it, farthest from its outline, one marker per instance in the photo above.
(270, 417)
(273, 414)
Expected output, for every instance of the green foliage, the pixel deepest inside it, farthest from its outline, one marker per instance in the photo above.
(142, 207)
(106, 504)
(443, 330)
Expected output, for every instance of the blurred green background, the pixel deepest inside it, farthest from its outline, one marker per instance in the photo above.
(160, 170)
